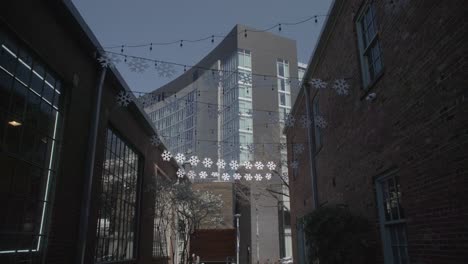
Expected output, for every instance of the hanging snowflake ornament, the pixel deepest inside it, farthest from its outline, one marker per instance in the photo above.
(258, 177)
(298, 148)
(207, 162)
(251, 148)
(221, 164)
(215, 174)
(234, 165)
(289, 120)
(341, 87)
(180, 158)
(166, 155)
(320, 121)
(155, 140)
(180, 173)
(295, 164)
(247, 165)
(245, 77)
(203, 174)
(138, 65)
(191, 174)
(109, 60)
(259, 165)
(124, 98)
(248, 177)
(194, 161)
(268, 176)
(226, 176)
(165, 70)
(236, 176)
(271, 165)
(285, 176)
(371, 97)
(318, 84)
(305, 122)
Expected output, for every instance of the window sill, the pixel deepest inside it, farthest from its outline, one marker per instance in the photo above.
(370, 87)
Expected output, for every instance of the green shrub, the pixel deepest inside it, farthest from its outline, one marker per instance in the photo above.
(336, 236)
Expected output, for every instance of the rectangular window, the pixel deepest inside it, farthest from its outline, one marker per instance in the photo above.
(30, 114)
(116, 226)
(245, 59)
(392, 219)
(369, 44)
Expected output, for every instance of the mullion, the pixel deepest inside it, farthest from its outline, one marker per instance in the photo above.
(111, 237)
(125, 206)
(119, 198)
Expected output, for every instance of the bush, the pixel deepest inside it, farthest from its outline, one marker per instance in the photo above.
(336, 236)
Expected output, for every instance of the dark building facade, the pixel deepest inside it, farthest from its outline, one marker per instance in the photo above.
(395, 148)
(73, 162)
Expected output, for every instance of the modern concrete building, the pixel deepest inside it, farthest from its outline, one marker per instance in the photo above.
(231, 106)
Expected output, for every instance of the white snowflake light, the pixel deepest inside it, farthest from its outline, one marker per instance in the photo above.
(251, 148)
(318, 84)
(191, 174)
(305, 122)
(289, 120)
(341, 87)
(194, 161)
(124, 98)
(295, 164)
(371, 97)
(180, 158)
(236, 176)
(268, 176)
(207, 162)
(109, 60)
(215, 174)
(155, 140)
(221, 164)
(271, 165)
(234, 165)
(247, 165)
(244, 77)
(203, 174)
(165, 70)
(298, 149)
(285, 177)
(248, 177)
(259, 165)
(258, 177)
(138, 65)
(320, 121)
(226, 176)
(180, 173)
(166, 155)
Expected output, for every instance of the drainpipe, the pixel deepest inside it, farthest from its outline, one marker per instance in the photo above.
(89, 172)
(311, 143)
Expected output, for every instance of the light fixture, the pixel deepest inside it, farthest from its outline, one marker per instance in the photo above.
(14, 123)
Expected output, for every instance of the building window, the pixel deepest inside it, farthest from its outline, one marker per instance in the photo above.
(116, 226)
(30, 114)
(369, 44)
(245, 59)
(392, 219)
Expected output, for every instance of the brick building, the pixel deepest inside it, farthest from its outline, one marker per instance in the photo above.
(73, 162)
(395, 148)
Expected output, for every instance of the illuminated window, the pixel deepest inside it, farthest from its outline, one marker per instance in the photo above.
(30, 115)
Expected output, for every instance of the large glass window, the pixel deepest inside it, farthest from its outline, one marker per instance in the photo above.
(30, 114)
(392, 219)
(116, 229)
(369, 44)
(245, 59)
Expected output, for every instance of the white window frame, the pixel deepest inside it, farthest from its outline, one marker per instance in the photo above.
(363, 50)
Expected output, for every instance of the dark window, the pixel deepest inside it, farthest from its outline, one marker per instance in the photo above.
(29, 134)
(116, 228)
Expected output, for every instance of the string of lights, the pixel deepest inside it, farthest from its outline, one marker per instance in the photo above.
(212, 37)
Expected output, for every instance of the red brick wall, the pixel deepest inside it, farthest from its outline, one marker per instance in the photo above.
(418, 123)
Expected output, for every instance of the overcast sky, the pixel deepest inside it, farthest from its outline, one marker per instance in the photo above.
(116, 22)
